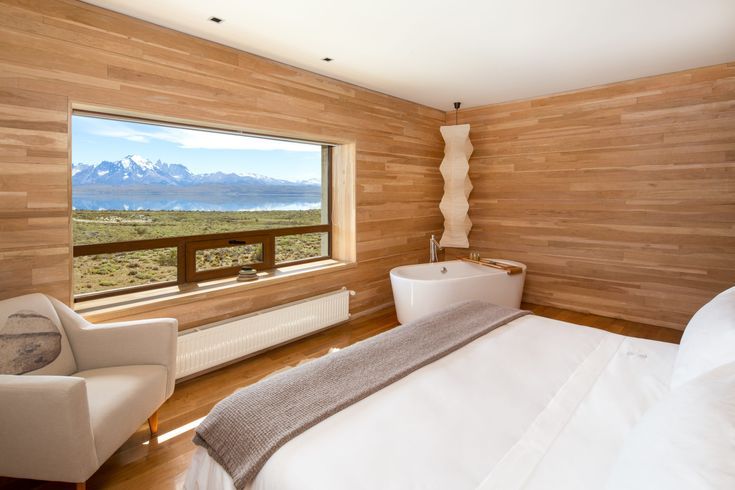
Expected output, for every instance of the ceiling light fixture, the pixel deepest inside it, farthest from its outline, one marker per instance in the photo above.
(216, 20)
(457, 105)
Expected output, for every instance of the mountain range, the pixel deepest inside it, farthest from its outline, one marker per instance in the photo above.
(135, 170)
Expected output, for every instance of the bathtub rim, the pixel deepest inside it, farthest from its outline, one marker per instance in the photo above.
(395, 273)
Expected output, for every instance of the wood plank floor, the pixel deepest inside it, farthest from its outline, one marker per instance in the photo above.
(161, 463)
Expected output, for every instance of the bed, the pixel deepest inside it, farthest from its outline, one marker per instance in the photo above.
(534, 404)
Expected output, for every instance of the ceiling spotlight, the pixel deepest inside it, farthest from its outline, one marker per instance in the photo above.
(216, 20)
(327, 59)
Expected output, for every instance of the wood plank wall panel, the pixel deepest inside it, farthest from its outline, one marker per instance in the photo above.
(56, 53)
(621, 198)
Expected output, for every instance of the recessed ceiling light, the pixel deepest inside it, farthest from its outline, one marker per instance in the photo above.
(327, 59)
(216, 20)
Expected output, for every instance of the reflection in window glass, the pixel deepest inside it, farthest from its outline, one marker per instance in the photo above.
(290, 248)
(220, 258)
(135, 180)
(111, 271)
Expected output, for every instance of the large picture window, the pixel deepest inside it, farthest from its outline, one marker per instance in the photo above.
(156, 204)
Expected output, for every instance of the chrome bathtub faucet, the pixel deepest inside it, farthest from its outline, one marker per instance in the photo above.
(434, 249)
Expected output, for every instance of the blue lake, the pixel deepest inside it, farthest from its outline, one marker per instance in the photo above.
(176, 203)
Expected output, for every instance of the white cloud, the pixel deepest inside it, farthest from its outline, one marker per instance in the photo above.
(196, 139)
(223, 141)
(137, 136)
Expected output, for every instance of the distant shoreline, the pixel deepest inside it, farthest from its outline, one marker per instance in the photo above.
(202, 190)
(215, 199)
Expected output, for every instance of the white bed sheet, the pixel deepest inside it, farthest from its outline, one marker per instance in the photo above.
(535, 404)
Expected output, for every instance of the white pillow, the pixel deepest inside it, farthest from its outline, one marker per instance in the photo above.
(708, 340)
(684, 442)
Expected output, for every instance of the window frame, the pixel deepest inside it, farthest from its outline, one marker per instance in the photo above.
(187, 245)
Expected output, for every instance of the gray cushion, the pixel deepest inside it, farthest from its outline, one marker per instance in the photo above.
(32, 340)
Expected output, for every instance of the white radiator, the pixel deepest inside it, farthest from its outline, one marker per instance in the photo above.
(211, 345)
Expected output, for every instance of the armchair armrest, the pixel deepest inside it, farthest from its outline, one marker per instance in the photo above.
(44, 424)
(121, 344)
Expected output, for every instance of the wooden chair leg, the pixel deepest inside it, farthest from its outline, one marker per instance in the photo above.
(81, 485)
(153, 423)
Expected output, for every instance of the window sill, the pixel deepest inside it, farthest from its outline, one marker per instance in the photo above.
(124, 305)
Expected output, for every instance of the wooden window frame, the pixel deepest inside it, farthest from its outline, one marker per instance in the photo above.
(186, 246)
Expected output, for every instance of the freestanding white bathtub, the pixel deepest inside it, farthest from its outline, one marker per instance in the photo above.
(422, 289)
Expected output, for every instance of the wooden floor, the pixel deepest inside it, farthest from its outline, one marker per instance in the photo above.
(161, 463)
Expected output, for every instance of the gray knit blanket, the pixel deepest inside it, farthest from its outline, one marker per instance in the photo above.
(245, 429)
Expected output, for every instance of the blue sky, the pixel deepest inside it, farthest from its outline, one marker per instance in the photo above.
(95, 140)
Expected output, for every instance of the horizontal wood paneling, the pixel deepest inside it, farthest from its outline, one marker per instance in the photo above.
(617, 197)
(621, 198)
(54, 54)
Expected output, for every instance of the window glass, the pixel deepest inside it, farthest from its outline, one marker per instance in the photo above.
(291, 248)
(220, 258)
(137, 181)
(102, 272)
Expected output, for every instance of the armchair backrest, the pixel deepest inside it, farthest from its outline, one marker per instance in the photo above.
(32, 338)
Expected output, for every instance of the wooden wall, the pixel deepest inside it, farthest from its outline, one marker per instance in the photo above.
(57, 53)
(620, 199)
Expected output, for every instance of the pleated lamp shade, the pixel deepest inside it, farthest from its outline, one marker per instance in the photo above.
(457, 186)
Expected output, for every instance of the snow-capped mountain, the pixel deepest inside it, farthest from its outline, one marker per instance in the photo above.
(137, 170)
(310, 182)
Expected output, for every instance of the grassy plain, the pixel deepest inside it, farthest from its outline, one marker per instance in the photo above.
(109, 271)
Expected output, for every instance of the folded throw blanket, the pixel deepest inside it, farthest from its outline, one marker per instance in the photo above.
(245, 429)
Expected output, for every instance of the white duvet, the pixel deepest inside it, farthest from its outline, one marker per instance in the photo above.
(536, 404)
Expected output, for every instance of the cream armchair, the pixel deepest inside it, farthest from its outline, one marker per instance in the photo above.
(62, 421)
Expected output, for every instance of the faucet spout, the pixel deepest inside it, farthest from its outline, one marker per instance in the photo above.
(434, 249)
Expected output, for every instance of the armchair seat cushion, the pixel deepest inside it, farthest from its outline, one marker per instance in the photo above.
(120, 400)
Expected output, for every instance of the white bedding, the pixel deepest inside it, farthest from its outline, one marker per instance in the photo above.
(535, 404)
